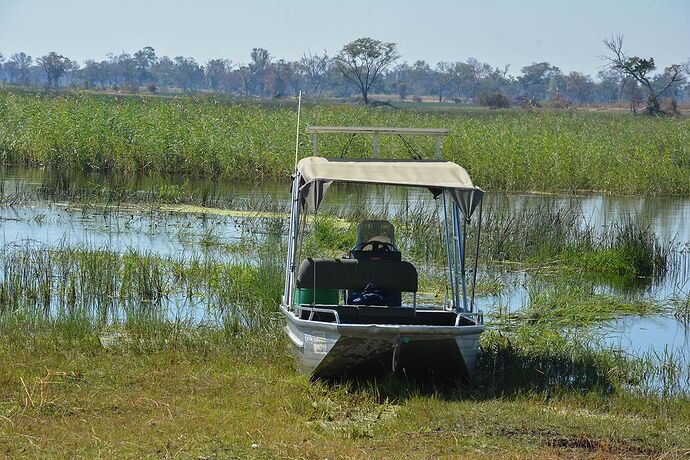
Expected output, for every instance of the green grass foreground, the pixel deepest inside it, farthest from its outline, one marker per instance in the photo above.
(196, 393)
(502, 150)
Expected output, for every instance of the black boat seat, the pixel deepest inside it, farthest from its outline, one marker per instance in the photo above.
(355, 274)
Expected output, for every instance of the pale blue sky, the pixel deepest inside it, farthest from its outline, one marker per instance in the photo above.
(565, 33)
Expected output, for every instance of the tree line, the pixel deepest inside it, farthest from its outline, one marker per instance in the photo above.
(364, 66)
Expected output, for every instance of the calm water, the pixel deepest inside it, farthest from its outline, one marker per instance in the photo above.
(43, 213)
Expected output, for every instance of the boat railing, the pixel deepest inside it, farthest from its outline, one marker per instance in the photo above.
(476, 317)
(313, 310)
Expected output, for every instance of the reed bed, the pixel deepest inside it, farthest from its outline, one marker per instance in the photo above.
(548, 235)
(503, 150)
(98, 285)
(553, 362)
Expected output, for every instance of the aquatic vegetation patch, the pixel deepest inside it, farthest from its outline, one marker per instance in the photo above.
(553, 362)
(106, 287)
(562, 236)
(557, 302)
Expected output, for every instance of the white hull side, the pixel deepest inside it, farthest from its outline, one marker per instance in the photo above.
(329, 349)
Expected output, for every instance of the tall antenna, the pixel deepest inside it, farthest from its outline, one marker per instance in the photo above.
(299, 113)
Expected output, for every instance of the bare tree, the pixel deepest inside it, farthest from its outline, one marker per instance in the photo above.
(316, 68)
(245, 74)
(364, 60)
(22, 62)
(641, 71)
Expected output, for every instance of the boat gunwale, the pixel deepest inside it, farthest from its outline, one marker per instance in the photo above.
(383, 329)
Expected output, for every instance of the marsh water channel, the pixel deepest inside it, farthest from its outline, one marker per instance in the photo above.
(188, 219)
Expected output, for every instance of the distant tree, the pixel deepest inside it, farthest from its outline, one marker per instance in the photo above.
(54, 65)
(316, 68)
(364, 60)
(579, 87)
(284, 78)
(660, 80)
(535, 79)
(21, 62)
(445, 78)
(608, 87)
(10, 71)
(556, 86)
(124, 68)
(144, 59)
(466, 76)
(216, 71)
(244, 73)
(258, 71)
(164, 72)
(188, 74)
(95, 72)
(640, 70)
(420, 78)
(398, 80)
(686, 89)
(494, 80)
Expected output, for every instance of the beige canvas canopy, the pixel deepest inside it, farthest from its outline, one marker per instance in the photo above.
(317, 173)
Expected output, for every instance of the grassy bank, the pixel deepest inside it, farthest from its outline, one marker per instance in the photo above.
(502, 150)
(200, 393)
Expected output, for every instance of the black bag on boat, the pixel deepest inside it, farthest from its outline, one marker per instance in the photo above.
(371, 295)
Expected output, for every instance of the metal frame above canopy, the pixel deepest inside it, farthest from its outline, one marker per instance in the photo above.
(315, 130)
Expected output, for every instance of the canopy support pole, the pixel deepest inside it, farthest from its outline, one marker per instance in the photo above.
(460, 244)
(292, 239)
(456, 259)
(450, 259)
(476, 256)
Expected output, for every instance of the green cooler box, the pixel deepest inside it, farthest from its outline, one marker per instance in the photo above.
(308, 296)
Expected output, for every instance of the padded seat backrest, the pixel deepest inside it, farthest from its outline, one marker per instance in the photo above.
(356, 274)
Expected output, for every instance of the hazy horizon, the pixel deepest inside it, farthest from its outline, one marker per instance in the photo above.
(566, 34)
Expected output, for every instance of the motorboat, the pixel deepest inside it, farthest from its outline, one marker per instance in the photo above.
(359, 314)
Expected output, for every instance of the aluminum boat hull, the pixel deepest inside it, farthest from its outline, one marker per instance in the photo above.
(328, 350)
